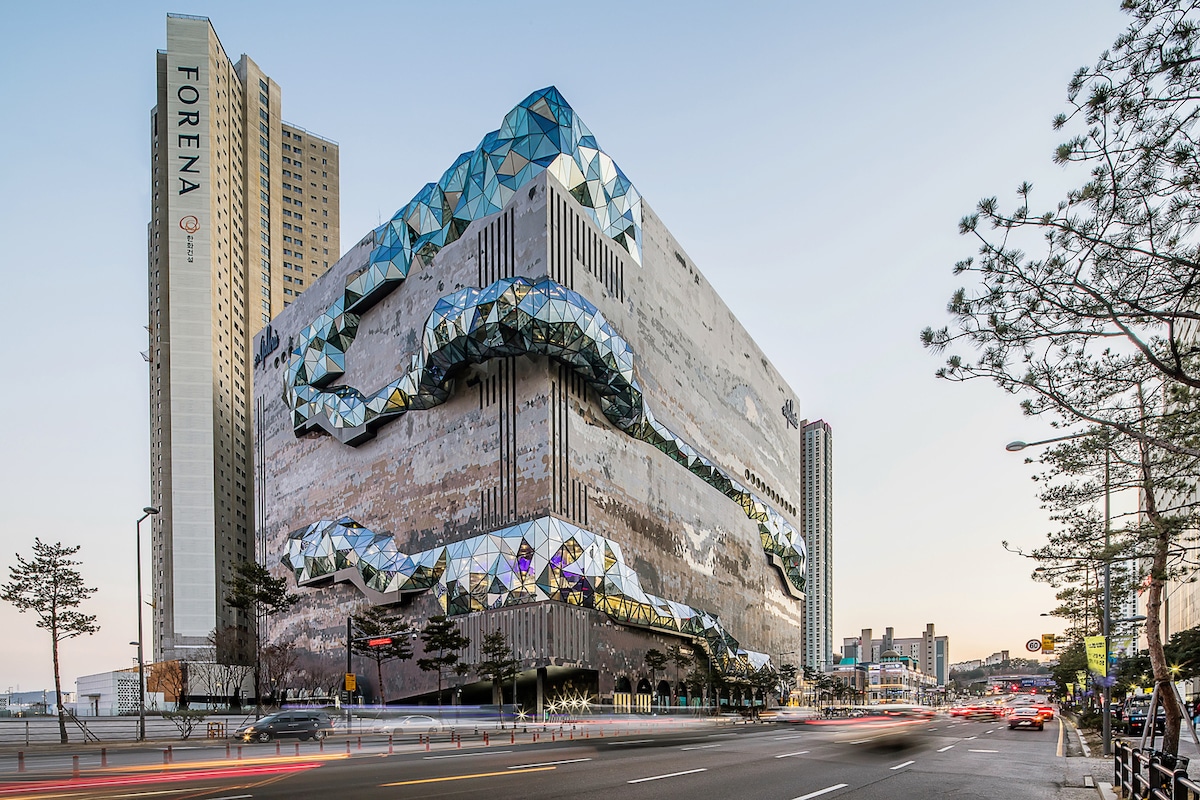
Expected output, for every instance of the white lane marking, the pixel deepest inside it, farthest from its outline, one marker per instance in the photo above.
(983, 751)
(631, 741)
(700, 747)
(969, 738)
(711, 735)
(230, 796)
(933, 729)
(789, 755)
(466, 755)
(668, 775)
(902, 766)
(991, 731)
(944, 749)
(544, 764)
(820, 792)
(792, 736)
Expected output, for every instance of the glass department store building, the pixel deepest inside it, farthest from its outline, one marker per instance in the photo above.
(519, 402)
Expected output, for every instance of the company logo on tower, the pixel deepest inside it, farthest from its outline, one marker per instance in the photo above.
(190, 223)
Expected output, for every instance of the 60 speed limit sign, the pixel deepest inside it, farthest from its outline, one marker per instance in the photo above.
(1033, 645)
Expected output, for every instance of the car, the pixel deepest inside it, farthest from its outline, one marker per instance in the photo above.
(1133, 718)
(1047, 711)
(1026, 717)
(411, 723)
(985, 713)
(304, 725)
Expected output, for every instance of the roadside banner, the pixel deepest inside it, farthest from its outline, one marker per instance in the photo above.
(1070, 688)
(1097, 654)
(1123, 646)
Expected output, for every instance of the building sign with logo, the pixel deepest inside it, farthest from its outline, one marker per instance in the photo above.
(185, 191)
(789, 413)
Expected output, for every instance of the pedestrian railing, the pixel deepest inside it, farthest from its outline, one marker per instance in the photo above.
(1151, 774)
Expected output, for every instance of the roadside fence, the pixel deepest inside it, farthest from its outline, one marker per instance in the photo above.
(1151, 774)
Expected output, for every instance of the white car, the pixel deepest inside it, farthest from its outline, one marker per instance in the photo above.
(411, 723)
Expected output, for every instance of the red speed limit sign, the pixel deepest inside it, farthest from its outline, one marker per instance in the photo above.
(1033, 645)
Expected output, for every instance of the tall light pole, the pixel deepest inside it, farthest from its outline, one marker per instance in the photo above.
(146, 512)
(1106, 620)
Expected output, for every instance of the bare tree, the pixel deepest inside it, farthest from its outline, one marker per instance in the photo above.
(278, 665)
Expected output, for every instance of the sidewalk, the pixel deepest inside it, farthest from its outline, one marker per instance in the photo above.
(1100, 769)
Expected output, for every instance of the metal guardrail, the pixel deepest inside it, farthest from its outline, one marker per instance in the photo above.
(44, 730)
(1151, 774)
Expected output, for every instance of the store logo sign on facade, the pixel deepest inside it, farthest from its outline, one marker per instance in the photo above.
(789, 413)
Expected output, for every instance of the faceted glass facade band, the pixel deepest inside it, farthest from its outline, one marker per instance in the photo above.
(546, 559)
(513, 316)
(542, 133)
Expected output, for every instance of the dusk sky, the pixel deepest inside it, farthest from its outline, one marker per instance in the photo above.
(813, 158)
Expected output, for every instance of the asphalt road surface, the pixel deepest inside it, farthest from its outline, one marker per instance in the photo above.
(939, 758)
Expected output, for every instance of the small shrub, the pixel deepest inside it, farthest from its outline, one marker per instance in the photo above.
(185, 721)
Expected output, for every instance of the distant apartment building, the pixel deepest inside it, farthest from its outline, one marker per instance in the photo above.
(817, 520)
(930, 651)
(995, 659)
(244, 217)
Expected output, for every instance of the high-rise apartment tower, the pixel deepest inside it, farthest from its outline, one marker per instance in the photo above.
(817, 521)
(244, 217)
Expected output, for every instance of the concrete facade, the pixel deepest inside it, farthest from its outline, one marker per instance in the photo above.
(522, 438)
(218, 269)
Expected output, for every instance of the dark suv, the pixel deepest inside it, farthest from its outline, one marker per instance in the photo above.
(1134, 719)
(303, 724)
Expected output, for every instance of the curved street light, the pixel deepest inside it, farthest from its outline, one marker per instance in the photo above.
(1016, 446)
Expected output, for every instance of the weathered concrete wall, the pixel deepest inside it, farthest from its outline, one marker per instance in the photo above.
(448, 473)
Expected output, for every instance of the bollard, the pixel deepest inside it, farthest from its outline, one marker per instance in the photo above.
(512, 736)
(347, 747)
(20, 761)
(485, 738)
(104, 756)
(239, 752)
(390, 751)
(170, 755)
(166, 758)
(277, 747)
(552, 736)
(426, 745)
(297, 748)
(74, 766)
(322, 743)
(360, 743)
(227, 749)
(458, 741)
(572, 734)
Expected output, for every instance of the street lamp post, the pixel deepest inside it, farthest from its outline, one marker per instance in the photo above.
(1105, 714)
(146, 512)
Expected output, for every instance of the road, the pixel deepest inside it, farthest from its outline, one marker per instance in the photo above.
(942, 758)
